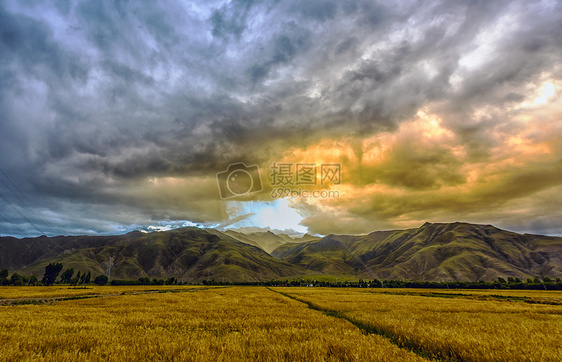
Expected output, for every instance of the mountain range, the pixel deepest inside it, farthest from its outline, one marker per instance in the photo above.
(432, 252)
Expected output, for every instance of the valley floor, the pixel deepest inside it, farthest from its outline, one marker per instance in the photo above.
(190, 323)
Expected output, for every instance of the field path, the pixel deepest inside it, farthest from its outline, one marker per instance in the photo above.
(471, 326)
(365, 328)
(211, 324)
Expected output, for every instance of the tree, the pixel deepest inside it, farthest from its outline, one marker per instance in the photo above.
(67, 276)
(501, 280)
(76, 280)
(17, 279)
(33, 280)
(51, 273)
(4, 277)
(88, 277)
(101, 280)
(83, 278)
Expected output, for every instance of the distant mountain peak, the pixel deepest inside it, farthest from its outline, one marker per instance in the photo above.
(188, 254)
(456, 251)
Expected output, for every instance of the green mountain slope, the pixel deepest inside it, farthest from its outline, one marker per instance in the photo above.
(266, 240)
(188, 254)
(433, 252)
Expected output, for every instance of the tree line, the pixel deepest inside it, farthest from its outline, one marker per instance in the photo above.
(500, 283)
(51, 277)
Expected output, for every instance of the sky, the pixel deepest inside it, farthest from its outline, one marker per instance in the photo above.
(306, 116)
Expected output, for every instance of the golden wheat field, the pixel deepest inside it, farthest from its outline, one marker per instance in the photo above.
(66, 291)
(173, 323)
(452, 325)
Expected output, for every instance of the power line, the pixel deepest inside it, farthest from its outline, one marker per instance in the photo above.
(31, 207)
(20, 214)
(22, 202)
(14, 225)
(30, 222)
(30, 204)
(25, 218)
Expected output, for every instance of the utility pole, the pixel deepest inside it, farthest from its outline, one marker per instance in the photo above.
(109, 265)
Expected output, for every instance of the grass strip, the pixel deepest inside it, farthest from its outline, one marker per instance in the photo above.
(405, 343)
(508, 298)
(52, 300)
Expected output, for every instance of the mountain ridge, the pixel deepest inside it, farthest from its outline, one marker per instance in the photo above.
(433, 252)
(187, 254)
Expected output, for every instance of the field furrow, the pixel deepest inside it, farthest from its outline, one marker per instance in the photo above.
(468, 329)
(237, 323)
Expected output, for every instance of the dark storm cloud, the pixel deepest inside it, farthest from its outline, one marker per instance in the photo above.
(92, 106)
(231, 19)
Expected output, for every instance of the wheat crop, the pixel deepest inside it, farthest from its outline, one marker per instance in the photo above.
(459, 327)
(228, 324)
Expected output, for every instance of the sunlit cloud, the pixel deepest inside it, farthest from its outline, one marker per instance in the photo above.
(117, 117)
